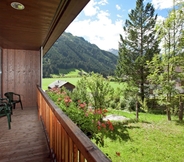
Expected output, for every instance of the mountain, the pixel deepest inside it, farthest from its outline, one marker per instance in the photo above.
(114, 51)
(75, 52)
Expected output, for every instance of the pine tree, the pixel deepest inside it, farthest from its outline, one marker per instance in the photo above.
(138, 45)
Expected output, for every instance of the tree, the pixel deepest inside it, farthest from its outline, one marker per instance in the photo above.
(94, 90)
(101, 92)
(138, 45)
(165, 70)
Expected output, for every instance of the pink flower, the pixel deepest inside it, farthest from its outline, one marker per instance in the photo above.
(99, 123)
(82, 105)
(67, 99)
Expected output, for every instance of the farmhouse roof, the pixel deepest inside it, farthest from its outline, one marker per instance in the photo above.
(58, 83)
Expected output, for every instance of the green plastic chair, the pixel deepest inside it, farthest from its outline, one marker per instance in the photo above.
(14, 98)
(5, 110)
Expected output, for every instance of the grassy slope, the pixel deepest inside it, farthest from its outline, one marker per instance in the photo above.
(153, 139)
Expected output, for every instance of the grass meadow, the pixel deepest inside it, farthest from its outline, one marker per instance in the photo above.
(73, 80)
(152, 139)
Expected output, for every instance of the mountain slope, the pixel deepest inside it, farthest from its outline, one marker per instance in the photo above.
(75, 52)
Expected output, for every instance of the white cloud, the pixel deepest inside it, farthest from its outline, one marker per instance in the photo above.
(118, 7)
(101, 31)
(160, 19)
(129, 10)
(91, 9)
(163, 4)
(119, 16)
(98, 28)
(103, 2)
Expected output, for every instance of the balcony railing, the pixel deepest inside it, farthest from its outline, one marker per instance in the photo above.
(66, 141)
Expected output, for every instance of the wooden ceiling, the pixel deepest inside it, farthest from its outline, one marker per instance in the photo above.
(38, 25)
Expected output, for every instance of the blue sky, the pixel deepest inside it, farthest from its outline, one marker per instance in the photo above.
(101, 21)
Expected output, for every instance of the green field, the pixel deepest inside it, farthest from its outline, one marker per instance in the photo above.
(47, 81)
(70, 75)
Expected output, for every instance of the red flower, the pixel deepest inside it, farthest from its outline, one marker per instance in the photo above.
(111, 127)
(108, 122)
(103, 125)
(118, 153)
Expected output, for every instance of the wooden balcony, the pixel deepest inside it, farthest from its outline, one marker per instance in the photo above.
(25, 141)
(37, 134)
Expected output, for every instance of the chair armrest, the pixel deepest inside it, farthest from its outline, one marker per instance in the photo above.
(17, 95)
(4, 100)
(5, 105)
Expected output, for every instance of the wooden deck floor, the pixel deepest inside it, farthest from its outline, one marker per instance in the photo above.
(25, 141)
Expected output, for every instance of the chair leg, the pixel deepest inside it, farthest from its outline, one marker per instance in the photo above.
(14, 105)
(11, 110)
(21, 105)
(9, 120)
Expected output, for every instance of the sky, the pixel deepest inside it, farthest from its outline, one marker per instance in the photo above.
(101, 21)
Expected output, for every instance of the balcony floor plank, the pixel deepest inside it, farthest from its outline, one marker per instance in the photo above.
(25, 141)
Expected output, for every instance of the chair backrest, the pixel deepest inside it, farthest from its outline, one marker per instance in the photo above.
(5, 110)
(9, 95)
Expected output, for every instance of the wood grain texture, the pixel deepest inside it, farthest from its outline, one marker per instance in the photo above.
(25, 141)
(38, 25)
(21, 73)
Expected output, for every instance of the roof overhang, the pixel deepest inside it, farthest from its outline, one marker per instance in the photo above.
(38, 25)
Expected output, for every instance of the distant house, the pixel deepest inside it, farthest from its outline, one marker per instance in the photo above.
(60, 84)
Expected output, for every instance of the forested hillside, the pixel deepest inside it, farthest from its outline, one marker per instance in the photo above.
(75, 52)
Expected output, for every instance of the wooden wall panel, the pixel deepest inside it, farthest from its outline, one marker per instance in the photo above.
(4, 71)
(21, 73)
(10, 68)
